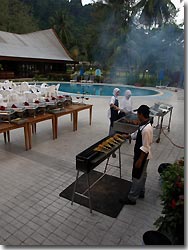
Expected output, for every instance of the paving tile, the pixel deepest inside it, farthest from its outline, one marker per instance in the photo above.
(58, 232)
(58, 241)
(33, 214)
(27, 230)
(12, 241)
(20, 235)
(10, 228)
(54, 222)
(64, 228)
(43, 231)
(22, 219)
(30, 242)
(17, 224)
(37, 237)
(69, 223)
(77, 235)
(28, 215)
(33, 225)
(90, 242)
(4, 234)
(47, 242)
(73, 241)
(49, 227)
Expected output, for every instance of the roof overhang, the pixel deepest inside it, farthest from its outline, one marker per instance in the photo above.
(40, 46)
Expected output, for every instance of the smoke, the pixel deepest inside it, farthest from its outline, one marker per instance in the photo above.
(141, 50)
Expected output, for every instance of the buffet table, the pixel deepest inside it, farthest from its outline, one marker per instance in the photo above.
(5, 128)
(32, 121)
(73, 110)
(29, 121)
(77, 108)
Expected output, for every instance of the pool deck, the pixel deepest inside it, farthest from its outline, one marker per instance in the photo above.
(31, 211)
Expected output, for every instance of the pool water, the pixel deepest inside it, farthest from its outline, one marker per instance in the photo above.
(102, 90)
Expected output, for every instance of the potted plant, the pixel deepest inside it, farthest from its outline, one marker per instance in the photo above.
(171, 222)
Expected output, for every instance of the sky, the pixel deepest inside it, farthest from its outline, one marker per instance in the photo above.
(177, 3)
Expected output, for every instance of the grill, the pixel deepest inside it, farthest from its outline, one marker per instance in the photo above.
(127, 124)
(90, 158)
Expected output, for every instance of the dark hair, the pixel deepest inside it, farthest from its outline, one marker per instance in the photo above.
(144, 110)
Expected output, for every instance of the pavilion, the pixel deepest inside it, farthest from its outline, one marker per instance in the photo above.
(26, 55)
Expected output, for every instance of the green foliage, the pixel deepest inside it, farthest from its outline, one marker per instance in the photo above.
(107, 33)
(155, 12)
(16, 17)
(172, 219)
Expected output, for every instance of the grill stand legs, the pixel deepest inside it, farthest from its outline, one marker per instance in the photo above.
(89, 193)
(160, 129)
(75, 187)
(108, 164)
(88, 182)
(88, 189)
(160, 124)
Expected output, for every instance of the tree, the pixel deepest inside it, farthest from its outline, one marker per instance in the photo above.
(155, 12)
(62, 23)
(4, 14)
(16, 17)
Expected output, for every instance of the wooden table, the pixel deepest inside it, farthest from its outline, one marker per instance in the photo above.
(30, 125)
(5, 128)
(77, 108)
(31, 121)
(73, 110)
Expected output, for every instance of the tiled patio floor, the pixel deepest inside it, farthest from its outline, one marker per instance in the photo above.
(31, 211)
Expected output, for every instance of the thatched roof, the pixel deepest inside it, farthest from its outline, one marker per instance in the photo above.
(40, 46)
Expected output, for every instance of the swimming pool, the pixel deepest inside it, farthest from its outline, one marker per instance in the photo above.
(102, 89)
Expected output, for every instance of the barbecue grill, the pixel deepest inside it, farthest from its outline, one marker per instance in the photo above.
(90, 158)
(127, 124)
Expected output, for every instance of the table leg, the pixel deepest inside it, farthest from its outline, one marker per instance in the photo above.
(26, 137)
(5, 137)
(54, 128)
(75, 120)
(8, 135)
(29, 135)
(33, 128)
(90, 115)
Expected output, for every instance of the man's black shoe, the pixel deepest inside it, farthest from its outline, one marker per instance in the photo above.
(113, 155)
(127, 202)
(142, 196)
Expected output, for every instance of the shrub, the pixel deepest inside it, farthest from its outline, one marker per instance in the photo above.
(171, 222)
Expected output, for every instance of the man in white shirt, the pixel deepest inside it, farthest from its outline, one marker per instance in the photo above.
(142, 154)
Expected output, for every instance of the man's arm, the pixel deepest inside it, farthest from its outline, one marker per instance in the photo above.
(130, 136)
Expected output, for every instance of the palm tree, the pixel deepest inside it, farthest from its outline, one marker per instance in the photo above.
(122, 10)
(62, 24)
(155, 12)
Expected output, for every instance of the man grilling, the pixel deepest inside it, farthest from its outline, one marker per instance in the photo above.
(142, 154)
